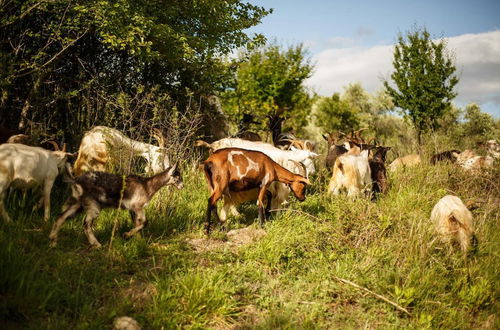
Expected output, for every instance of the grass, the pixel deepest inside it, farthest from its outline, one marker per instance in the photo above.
(287, 279)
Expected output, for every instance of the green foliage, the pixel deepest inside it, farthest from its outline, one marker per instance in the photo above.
(478, 123)
(424, 79)
(62, 61)
(333, 114)
(269, 82)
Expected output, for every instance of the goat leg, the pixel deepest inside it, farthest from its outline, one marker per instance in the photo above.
(3, 212)
(208, 217)
(68, 213)
(268, 206)
(46, 198)
(92, 213)
(140, 222)
(260, 202)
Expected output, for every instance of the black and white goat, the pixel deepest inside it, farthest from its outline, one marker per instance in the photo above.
(94, 191)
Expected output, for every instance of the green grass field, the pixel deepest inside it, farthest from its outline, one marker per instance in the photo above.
(292, 277)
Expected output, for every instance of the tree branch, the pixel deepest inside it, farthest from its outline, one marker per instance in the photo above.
(402, 309)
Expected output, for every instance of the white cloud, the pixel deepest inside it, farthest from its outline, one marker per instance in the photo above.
(477, 61)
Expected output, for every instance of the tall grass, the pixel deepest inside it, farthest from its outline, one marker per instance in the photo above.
(287, 279)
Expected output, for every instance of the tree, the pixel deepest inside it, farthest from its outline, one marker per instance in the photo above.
(424, 80)
(334, 114)
(63, 62)
(268, 83)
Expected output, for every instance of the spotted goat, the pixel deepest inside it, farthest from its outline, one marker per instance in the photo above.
(239, 170)
(94, 191)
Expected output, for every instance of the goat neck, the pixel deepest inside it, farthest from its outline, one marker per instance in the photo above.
(154, 183)
(287, 177)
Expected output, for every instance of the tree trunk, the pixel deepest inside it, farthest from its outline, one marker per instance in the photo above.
(27, 104)
(275, 122)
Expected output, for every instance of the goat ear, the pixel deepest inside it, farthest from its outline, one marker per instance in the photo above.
(293, 148)
(313, 154)
(324, 137)
(172, 169)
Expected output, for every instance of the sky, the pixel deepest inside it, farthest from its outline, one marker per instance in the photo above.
(353, 40)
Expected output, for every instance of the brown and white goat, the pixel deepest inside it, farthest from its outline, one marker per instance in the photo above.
(334, 150)
(26, 167)
(296, 161)
(102, 144)
(94, 191)
(237, 170)
(378, 170)
(453, 221)
(493, 148)
(279, 194)
(404, 162)
(468, 160)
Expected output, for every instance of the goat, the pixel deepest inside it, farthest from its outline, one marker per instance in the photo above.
(98, 144)
(94, 191)
(453, 221)
(279, 194)
(236, 170)
(469, 161)
(405, 161)
(27, 167)
(293, 160)
(448, 155)
(278, 155)
(493, 148)
(378, 171)
(351, 172)
(20, 138)
(334, 150)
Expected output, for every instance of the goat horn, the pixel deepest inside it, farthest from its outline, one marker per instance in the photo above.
(158, 135)
(372, 140)
(54, 144)
(301, 166)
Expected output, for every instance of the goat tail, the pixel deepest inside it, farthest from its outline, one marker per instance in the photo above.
(201, 143)
(465, 234)
(208, 170)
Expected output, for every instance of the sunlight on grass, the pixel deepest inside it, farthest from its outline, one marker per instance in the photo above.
(286, 279)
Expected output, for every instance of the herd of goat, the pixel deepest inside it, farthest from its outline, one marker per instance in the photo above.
(236, 171)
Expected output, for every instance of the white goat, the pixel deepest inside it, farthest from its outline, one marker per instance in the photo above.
(295, 160)
(101, 144)
(405, 161)
(453, 221)
(26, 167)
(352, 173)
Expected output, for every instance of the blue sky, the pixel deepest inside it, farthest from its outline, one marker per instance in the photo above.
(351, 41)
